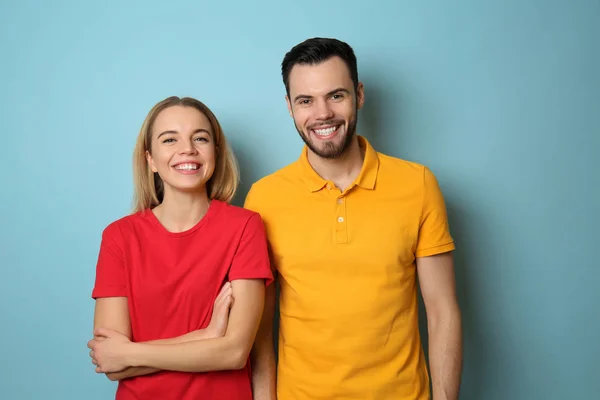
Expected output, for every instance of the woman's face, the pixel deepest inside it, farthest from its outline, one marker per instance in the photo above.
(182, 149)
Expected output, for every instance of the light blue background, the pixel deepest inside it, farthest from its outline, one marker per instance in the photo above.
(500, 99)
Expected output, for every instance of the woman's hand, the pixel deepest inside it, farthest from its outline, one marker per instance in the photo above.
(220, 316)
(109, 350)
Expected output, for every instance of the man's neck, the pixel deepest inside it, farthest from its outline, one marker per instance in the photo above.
(181, 211)
(343, 170)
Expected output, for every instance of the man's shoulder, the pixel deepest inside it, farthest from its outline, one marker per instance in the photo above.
(273, 183)
(414, 177)
(287, 174)
(401, 167)
(268, 193)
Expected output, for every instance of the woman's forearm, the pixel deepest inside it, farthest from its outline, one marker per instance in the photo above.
(199, 334)
(132, 372)
(228, 352)
(223, 353)
(216, 354)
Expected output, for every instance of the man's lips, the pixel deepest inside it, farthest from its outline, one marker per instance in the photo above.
(326, 131)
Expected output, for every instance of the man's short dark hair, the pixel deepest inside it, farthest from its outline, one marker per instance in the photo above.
(315, 51)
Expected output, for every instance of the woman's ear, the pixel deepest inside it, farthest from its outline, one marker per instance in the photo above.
(151, 161)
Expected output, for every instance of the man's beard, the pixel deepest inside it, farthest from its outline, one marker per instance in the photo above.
(331, 150)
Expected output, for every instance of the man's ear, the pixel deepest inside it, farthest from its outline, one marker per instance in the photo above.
(289, 106)
(360, 95)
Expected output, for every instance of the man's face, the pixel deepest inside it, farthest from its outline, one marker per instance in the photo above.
(324, 105)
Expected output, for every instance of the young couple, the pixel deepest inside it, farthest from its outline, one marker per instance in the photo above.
(184, 290)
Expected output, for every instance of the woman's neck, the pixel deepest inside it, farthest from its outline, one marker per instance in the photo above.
(181, 211)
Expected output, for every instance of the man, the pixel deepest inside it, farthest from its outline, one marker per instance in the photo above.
(350, 230)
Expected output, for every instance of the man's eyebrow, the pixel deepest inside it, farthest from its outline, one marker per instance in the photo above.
(340, 89)
(334, 91)
(302, 97)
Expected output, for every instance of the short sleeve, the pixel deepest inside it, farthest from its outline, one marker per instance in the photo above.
(434, 233)
(110, 268)
(251, 259)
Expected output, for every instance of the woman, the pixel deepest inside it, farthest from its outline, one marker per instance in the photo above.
(165, 324)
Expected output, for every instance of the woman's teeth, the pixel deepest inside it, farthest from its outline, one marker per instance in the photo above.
(187, 167)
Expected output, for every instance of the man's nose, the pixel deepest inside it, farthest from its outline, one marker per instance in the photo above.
(324, 110)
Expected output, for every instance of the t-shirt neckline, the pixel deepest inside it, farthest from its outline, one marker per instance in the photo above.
(213, 208)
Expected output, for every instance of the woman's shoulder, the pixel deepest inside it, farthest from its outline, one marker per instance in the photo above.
(126, 224)
(235, 214)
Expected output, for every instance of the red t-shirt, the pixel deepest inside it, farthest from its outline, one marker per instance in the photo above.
(171, 281)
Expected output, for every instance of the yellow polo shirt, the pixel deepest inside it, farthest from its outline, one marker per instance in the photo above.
(346, 262)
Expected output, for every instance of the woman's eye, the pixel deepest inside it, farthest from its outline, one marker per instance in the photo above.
(201, 139)
(170, 140)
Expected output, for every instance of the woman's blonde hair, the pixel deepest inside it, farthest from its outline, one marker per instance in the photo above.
(148, 186)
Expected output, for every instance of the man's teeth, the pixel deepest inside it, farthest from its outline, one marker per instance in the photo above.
(187, 167)
(325, 132)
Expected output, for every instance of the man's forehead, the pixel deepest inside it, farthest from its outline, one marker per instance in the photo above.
(322, 77)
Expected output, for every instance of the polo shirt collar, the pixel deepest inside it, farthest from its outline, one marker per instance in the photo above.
(366, 179)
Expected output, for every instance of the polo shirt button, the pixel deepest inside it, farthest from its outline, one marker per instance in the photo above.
(340, 219)
(339, 201)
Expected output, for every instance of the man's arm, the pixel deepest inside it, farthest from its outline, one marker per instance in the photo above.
(262, 355)
(438, 288)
